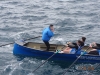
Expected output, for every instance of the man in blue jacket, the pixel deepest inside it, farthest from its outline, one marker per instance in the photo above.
(47, 34)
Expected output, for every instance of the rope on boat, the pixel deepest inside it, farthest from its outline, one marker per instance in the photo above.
(74, 62)
(24, 40)
(46, 60)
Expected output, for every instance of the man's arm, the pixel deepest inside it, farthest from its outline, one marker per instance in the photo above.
(98, 45)
(73, 46)
(95, 47)
(50, 33)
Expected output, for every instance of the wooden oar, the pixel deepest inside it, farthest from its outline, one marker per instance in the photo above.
(46, 61)
(75, 62)
(24, 40)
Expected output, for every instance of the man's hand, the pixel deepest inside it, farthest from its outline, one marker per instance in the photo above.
(90, 45)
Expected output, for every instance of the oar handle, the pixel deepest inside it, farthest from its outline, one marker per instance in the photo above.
(57, 51)
(85, 51)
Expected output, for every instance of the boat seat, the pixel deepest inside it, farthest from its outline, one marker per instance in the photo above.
(52, 48)
(34, 46)
(42, 46)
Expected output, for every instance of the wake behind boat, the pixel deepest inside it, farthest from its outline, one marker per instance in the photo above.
(33, 49)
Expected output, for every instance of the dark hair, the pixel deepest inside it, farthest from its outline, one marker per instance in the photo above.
(83, 38)
(80, 42)
(51, 25)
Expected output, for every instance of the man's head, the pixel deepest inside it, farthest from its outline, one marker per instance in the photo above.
(51, 27)
(79, 42)
(83, 39)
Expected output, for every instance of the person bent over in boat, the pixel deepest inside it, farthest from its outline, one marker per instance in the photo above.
(47, 34)
(83, 39)
(95, 49)
(72, 47)
(79, 51)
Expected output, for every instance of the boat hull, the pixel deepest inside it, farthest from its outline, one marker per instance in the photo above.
(25, 51)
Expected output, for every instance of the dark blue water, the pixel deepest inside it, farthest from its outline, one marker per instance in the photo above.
(27, 18)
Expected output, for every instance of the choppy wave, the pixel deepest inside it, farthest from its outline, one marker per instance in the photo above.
(20, 19)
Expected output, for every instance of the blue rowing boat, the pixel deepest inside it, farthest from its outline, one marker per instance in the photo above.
(32, 49)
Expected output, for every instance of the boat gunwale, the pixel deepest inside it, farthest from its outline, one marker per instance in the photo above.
(52, 51)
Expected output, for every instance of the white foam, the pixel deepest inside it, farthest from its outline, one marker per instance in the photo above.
(59, 39)
(31, 74)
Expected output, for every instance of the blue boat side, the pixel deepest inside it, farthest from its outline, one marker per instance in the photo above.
(25, 51)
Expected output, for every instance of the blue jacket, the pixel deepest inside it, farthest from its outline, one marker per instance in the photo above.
(47, 34)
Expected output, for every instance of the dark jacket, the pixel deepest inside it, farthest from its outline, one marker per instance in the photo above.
(74, 45)
(96, 47)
